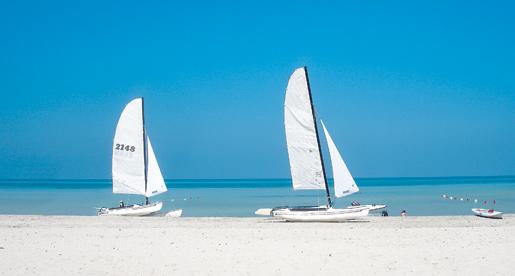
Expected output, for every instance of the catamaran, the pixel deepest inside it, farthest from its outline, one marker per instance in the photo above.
(134, 165)
(306, 160)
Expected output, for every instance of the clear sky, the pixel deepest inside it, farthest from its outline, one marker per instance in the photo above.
(405, 88)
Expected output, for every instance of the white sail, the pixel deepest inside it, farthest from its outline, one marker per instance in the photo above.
(344, 183)
(128, 151)
(155, 182)
(301, 137)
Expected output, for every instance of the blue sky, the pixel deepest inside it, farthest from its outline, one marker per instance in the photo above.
(405, 88)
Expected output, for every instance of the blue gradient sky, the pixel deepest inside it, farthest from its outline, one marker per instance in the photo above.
(406, 89)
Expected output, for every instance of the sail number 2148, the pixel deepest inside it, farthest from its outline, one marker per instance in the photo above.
(125, 147)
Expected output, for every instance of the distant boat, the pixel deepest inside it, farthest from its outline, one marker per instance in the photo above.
(134, 165)
(487, 213)
(306, 160)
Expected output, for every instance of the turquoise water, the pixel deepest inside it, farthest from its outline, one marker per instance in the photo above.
(418, 196)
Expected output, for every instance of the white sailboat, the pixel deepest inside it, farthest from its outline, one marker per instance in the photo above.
(306, 160)
(487, 213)
(134, 165)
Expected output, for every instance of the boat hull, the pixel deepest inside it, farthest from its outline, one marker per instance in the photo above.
(320, 215)
(174, 214)
(132, 211)
(270, 211)
(371, 207)
(486, 213)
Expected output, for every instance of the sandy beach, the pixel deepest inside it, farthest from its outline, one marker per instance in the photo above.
(53, 245)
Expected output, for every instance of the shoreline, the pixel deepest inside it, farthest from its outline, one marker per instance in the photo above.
(86, 245)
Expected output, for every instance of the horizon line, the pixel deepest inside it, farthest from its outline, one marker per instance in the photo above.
(280, 178)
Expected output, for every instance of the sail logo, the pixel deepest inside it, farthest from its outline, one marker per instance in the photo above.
(125, 147)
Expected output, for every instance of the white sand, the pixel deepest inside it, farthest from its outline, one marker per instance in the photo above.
(37, 245)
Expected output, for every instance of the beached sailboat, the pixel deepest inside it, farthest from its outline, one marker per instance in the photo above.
(487, 213)
(306, 160)
(134, 165)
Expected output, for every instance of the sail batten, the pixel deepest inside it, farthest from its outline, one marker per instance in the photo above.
(344, 183)
(301, 137)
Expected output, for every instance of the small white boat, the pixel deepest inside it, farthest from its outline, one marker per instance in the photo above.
(174, 214)
(319, 214)
(487, 213)
(263, 212)
(134, 165)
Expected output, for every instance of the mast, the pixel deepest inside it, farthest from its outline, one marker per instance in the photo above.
(145, 157)
(328, 194)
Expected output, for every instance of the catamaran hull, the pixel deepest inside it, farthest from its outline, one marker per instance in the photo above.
(269, 211)
(328, 215)
(370, 207)
(132, 211)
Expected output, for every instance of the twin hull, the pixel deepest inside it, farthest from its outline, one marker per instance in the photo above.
(133, 210)
(319, 214)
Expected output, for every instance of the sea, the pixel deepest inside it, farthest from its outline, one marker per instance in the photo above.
(424, 196)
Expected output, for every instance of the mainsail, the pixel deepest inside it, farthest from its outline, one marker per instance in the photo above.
(344, 183)
(135, 169)
(129, 151)
(301, 137)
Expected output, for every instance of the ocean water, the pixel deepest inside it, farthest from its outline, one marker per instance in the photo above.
(241, 197)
